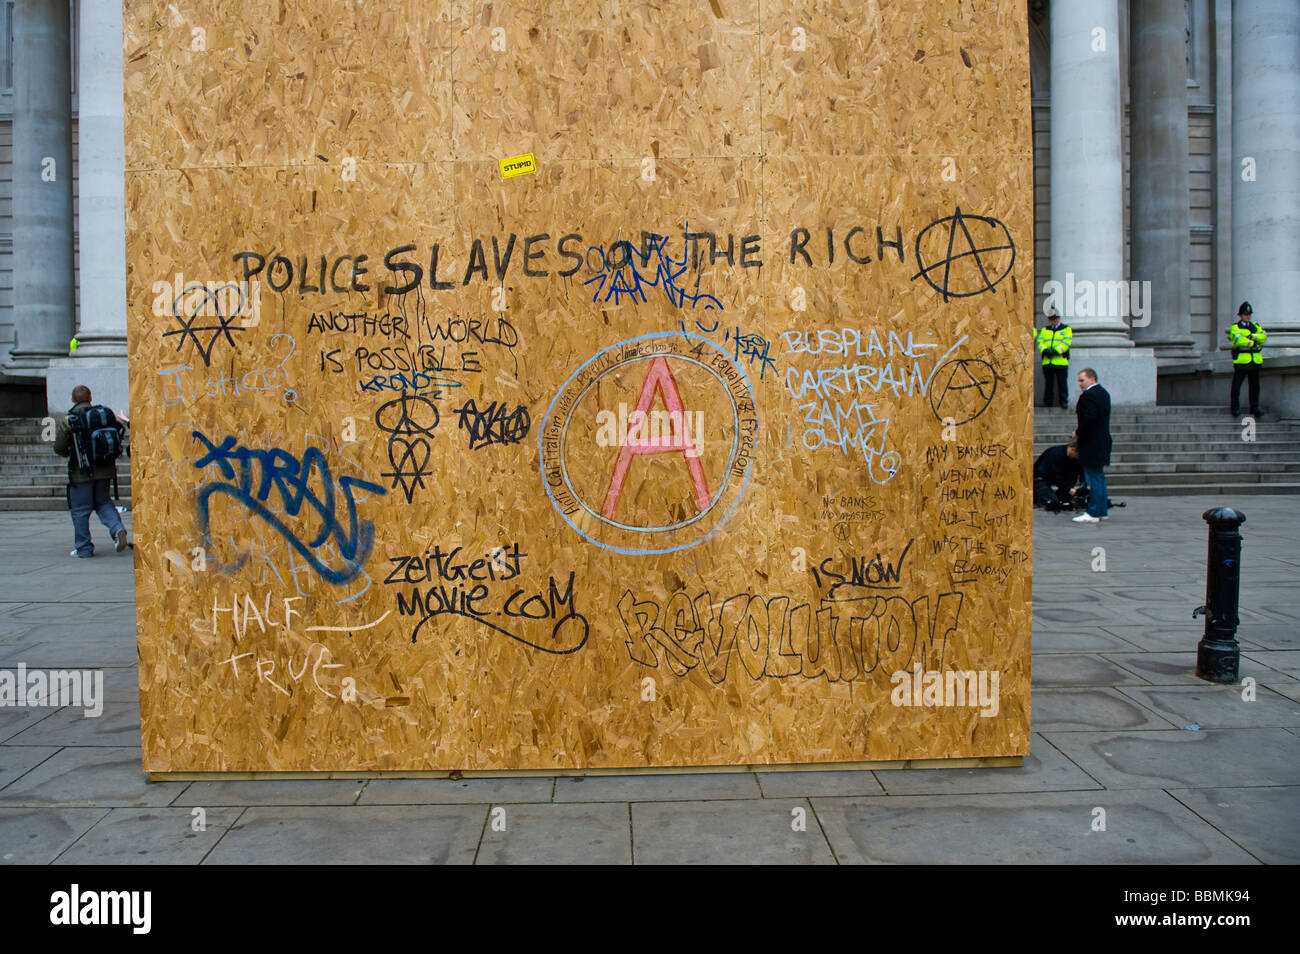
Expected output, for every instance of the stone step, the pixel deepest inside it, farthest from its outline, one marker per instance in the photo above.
(1121, 416)
(1189, 447)
(32, 503)
(1219, 477)
(34, 436)
(1243, 449)
(41, 503)
(51, 490)
(1238, 452)
(1178, 457)
(56, 475)
(44, 490)
(1161, 410)
(1208, 430)
(41, 465)
(1206, 467)
(1209, 424)
(1118, 491)
(43, 456)
(48, 480)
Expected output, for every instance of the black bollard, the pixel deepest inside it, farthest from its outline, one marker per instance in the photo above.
(1218, 654)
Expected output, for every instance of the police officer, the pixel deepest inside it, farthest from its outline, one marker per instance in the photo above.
(1247, 340)
(1054, 346)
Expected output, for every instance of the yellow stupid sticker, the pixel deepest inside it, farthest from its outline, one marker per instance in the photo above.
(517, 166)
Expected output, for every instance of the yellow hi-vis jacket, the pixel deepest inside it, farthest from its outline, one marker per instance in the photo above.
(1247, 343)
(1054, 344)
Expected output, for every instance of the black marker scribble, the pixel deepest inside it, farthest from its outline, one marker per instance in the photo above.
(494, 424)
(967, 253)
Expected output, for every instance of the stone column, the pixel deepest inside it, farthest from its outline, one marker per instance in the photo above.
(42, 169)
(1159, 201)
(1087, 197)
(1266, 147)
(101, 201)
(100, 359)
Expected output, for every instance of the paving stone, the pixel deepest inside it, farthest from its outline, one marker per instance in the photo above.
(1142, 827)
(558, 835)
(16, 719)
(103, 682)
(84, 651)
(654, 788)
(465, 791)
(18, 760)
(739, 832)
(1044, 770)
(118, 724)
(118, 630)
(108, 592)
(17, 651)
(1051, 639)
(1261, 820)
(1216, 707)
(309, 791)
(1283, 661)
(1290, 689)
(35, 836)
(90, 776)
(1067, 710)
(1172, 614)
(1172, 669)
(1157, 639)
(150, 836)
(352, 835)
(1125, 598)
(1287, 612)
(804, 784)
(1080, 669)
(1068, 615)
(1283, 559)
(122, 684)
(1066, 593)
(47, 612)
(1177, 758)
(1269, 636)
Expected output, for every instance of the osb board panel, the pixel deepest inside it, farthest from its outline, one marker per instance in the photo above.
(397, 517)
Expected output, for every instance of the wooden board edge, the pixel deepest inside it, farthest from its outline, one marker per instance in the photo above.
(988, 761)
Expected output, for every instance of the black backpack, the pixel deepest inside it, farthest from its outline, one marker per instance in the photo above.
(96, 436)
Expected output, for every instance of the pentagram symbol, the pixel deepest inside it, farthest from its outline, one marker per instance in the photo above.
(207, 306)
(408, 447)
(967, 267)
(962, 389)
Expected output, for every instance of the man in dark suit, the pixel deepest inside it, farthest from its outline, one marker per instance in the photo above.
(1093, 434)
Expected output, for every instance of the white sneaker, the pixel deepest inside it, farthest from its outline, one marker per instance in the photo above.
(1087, 518)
